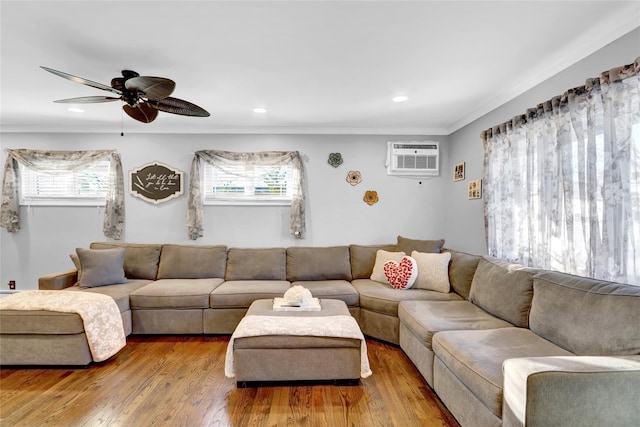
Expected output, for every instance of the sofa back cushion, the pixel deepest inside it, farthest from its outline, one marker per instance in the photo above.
(363, 259)
(192, 262)
(503, 289)
(426, 246)
(586, 316)
(140, 260)
(329, 263)
(461, 271)
(256, 264)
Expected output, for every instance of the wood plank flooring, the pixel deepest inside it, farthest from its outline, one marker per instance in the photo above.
(179, 381)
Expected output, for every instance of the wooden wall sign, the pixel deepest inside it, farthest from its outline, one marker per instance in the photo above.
(156, 182)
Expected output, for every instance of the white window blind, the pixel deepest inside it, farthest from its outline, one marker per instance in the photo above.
(84, 187)
(248, 184)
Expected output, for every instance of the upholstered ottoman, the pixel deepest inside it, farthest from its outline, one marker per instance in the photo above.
(276, 346)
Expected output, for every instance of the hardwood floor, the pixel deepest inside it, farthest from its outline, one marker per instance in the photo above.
(179, 381)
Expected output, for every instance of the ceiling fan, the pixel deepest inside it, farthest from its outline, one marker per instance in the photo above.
(143, 96)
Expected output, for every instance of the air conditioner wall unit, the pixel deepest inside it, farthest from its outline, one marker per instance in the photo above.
(413, 158)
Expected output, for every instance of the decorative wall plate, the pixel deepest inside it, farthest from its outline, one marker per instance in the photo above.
(371, 197)
(335, 159)
(354, 177)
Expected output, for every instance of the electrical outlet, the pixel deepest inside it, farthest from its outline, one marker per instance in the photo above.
(12, 284)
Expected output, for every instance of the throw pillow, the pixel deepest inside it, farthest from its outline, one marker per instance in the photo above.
(140, 259)
(382, 257)
(409, 245)
(433, 271)
(76, 261)
(401, 275)
(100, 267)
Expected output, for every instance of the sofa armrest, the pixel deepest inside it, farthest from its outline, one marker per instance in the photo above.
(571, 391)
(57, 281)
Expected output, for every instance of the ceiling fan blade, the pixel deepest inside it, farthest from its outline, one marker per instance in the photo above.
(179, 106)
(153, 87)
(142, 112)
(81, 80)
(87, 100)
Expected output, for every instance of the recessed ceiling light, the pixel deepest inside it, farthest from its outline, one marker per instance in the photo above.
(260, 110)
(75, 110)
(400, 98)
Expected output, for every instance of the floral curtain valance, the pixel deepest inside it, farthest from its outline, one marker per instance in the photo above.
(195, 209)
(562, 181)
(62, 162)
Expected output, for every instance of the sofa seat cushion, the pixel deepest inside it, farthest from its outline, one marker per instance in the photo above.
(175, 293)
(120, 293)
(241, 293)
(476, 357)
(425, 318)
(40, 322)
(332, 289)
(382, 298)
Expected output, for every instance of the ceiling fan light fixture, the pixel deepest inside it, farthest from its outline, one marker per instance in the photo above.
(143, 96)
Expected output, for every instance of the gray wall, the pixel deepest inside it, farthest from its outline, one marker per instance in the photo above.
(465, 218)
(336, 213)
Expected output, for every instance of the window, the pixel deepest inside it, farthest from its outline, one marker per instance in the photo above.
(83, 187)
(248, 184)
(263, 178)
(563, 182)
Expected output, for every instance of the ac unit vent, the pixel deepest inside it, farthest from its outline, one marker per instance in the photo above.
(413, 158)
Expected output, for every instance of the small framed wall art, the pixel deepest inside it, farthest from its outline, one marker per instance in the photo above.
(458, 172)
(475, 189)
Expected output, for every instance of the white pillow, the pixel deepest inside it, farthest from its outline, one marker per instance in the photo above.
(433, 271)
(382, 257)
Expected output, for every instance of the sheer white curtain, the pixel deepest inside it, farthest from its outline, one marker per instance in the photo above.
(195, 209)
(562, 182)
(62, 162)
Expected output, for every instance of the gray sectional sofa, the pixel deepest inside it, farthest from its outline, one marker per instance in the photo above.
(508, 345)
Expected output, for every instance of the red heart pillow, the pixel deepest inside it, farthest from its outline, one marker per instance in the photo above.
(401, 275)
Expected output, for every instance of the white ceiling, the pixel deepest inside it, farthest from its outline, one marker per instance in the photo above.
(318, 67)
